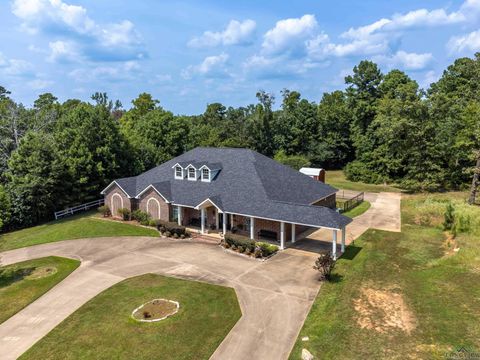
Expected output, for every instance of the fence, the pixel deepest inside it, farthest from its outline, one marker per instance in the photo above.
(75, 209)
(346, 204)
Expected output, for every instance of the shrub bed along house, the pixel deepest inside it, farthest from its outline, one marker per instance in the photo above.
(247, 246)
(171, 229)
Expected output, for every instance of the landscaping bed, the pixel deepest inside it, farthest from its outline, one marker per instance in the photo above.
(24, 282)
(103, 328)
(249, 247)
(156, 310)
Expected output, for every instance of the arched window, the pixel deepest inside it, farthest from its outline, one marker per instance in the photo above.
(116, 204)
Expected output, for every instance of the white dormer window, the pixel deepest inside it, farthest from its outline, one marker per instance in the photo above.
(192, 173)
(205, 174)
(178, 172)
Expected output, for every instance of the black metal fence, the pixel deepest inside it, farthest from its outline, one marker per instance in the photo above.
(345, 204)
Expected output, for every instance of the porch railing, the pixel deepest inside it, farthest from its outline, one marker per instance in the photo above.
(84, 207)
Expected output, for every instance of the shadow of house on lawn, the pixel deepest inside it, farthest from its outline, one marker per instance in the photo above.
(351, 252)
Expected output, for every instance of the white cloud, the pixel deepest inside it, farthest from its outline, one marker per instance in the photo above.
(289, 35)
(39, 84)
(406, 61)
(63, 51)
(118, 72)
(467, 42)
(115, 41)
(236, 33)
(15, 67)
(211, 66)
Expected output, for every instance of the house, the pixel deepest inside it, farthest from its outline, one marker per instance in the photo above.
(227, 189)
(315, 173)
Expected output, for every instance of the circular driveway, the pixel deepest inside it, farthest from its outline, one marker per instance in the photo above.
(275, 296)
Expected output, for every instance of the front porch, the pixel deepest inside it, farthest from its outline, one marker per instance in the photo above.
(209, 219)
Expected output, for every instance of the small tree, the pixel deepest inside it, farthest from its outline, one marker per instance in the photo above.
(449, 216)
(324, 265)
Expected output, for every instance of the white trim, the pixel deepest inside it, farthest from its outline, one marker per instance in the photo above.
(115, 182)
(178, 165)
(111, 202)
(205, 166)
(154, 188)
(188, 206)
(291, 222)
(208, 199)
(158, 204)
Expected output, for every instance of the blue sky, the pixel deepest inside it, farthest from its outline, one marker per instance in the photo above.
(190, 53)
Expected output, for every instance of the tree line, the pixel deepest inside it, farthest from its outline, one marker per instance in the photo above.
(383, 128)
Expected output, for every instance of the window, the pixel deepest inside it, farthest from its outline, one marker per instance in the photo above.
(178, 172)
(191, 173)
(206, 174)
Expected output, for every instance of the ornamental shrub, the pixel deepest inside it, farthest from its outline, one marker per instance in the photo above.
(324, 265)
(266, 249)
(238, 240)
(171, 227)
(141, 216)
(125, 213)
(104, 210)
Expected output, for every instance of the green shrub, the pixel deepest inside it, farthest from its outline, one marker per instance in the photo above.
(104, 210)
(168, 233)
(141, 216)
(171, 227)
(241, 249)
(266, 249)
(238, 240)
(125, 213)
(152, 222)
(449, 216)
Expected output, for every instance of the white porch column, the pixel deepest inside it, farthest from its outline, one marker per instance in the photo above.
(293, 233)
(216, 219)
(282, 235)
(334, 245)
(252, 228)
(231, 220)
(224, 218)
(344, 231)
(202, 220)
(179, 218)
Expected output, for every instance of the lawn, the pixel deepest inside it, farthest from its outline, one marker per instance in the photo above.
(337, 179)
(22, 283)
(402, 295)
(358, 210)
(76, 227)
(103, 327)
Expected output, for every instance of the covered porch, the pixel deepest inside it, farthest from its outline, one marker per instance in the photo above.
(208, 218)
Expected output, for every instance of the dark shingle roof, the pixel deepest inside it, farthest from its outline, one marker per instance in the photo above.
(248, 183)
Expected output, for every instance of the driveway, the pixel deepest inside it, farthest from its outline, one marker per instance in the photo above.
(384, 214)
(275, 296)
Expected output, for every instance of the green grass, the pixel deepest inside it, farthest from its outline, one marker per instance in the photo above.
(18, 289)
(77, 227)
(103, 328)
(441, 288)
(337, 179)
(358, 210)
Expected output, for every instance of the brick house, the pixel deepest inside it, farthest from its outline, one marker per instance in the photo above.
(230, 189)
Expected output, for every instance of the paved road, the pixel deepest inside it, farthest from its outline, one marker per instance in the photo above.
(275, 296)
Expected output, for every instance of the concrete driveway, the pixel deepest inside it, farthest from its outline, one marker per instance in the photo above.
(384, 214)
(275, 296)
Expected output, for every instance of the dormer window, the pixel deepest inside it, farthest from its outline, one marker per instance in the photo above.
(178, 172)
(205, 174)
(192, 173)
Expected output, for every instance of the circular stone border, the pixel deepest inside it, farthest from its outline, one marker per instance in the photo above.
(177, 306)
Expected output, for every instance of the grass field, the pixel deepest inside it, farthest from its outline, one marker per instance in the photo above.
(103, 328)
(76, 227)
(358, 210)
(402, 295)
(22, 283)
(337, 179)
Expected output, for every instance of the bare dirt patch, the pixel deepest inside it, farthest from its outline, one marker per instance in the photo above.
(155, 310)
(41, 272)
(383, 311)
(450, 245)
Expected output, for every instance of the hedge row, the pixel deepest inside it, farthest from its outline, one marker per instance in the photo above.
(249, 246)
(171, 227)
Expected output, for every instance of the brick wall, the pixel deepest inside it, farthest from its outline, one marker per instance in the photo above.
(164, 207)
(115, 196)
(329, 201)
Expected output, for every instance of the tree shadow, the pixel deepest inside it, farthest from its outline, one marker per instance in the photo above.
(335, 278)
(11, 276)
(350, 252)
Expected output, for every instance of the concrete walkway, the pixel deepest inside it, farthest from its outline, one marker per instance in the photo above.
(275, 296)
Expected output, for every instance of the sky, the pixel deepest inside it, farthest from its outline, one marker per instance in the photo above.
(188, 54)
